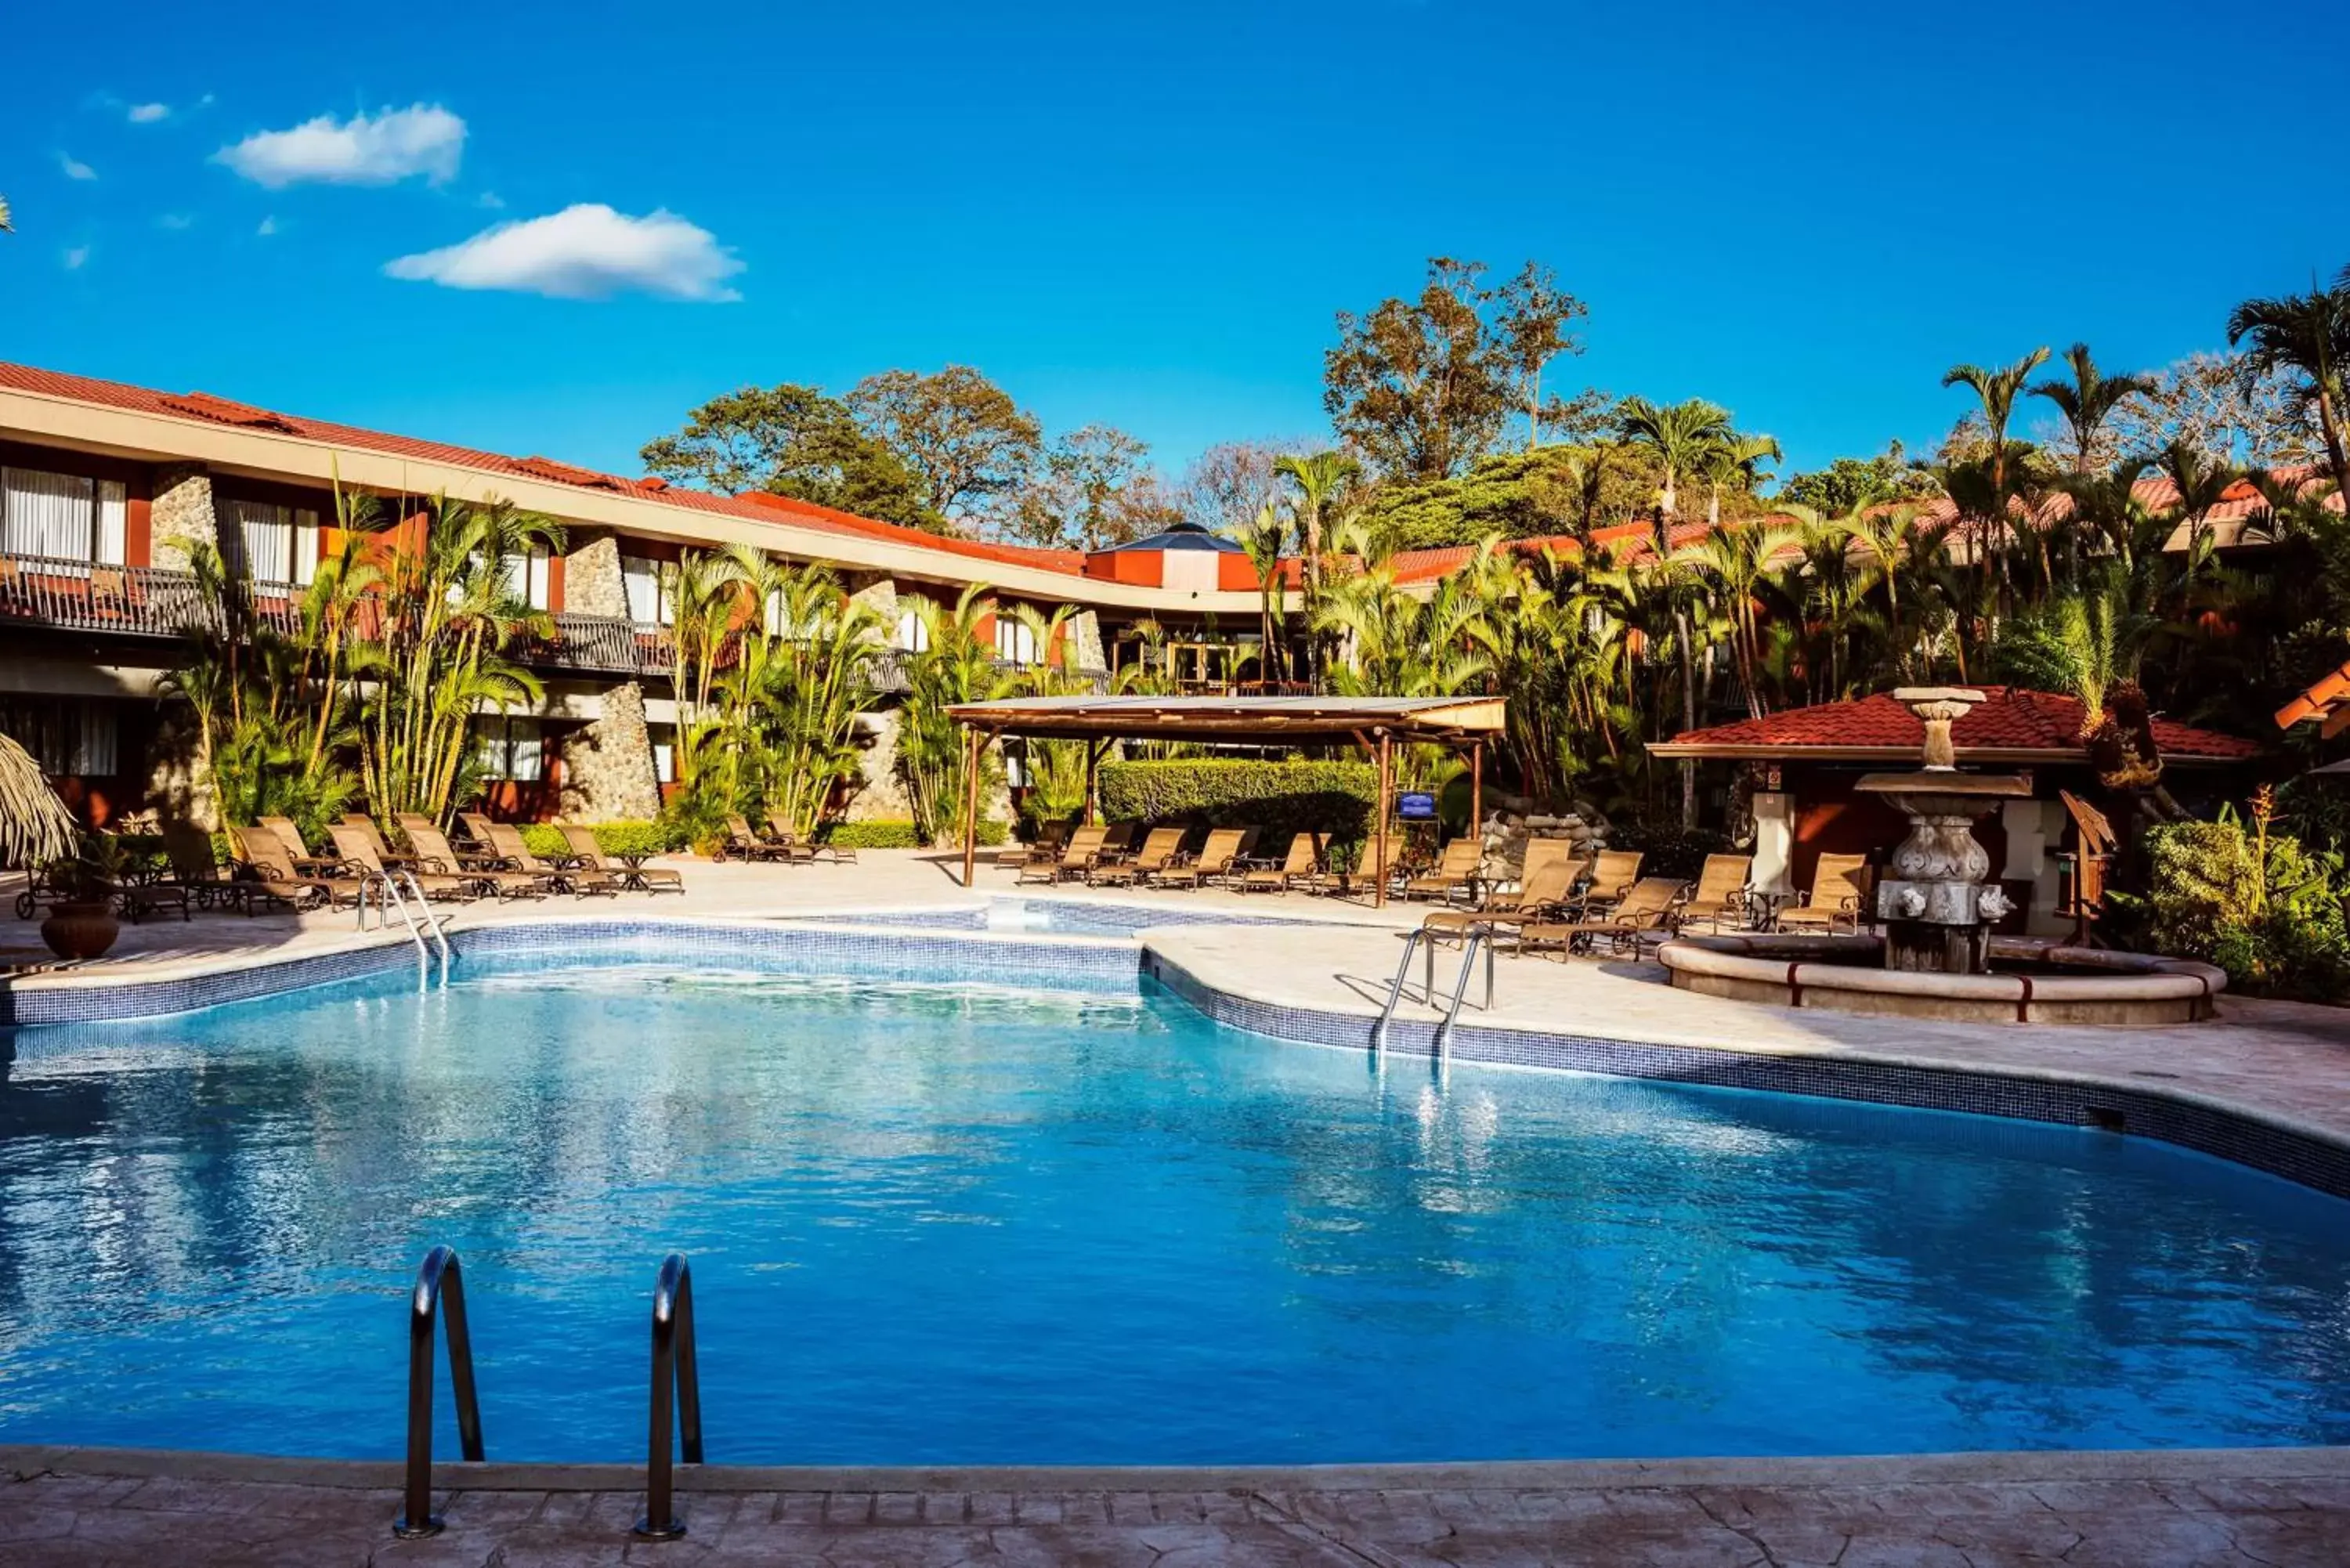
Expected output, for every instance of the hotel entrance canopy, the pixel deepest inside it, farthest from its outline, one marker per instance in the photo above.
(1375, 724)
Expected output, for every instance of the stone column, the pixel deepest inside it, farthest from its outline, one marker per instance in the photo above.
(591, 577)
(1774, 843)
(880, 794)
(182, 513)
(608, 767)
(1086, 643)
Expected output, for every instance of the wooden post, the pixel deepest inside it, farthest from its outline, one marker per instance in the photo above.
(1387, 809)
(1093, 763)
(1477, 789)
(971, 807)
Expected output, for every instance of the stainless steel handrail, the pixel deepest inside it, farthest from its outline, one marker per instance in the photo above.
(1395, 990)
(432, 923)
(439, 1279)
(674, 1374)
(1478, 937)
(389, 895)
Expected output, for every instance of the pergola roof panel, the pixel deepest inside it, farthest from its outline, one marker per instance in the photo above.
(1271, 720)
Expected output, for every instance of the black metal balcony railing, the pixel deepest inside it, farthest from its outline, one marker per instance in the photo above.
(162, 602)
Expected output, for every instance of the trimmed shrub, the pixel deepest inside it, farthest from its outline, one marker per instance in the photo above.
(1670, 849)
(1282, 798)
(545, 838)
(886, 834)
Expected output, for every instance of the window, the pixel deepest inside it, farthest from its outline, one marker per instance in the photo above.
(1015, 640)
(65, 735)
(648, 587)
(62, 516)
(512, 748)
(664, 740)
(265, 543)
(526, 576)
(913, 631)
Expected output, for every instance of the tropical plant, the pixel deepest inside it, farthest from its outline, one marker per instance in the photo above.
(957, 666)
(2088, 403)
(34, 824)
(2307, 336)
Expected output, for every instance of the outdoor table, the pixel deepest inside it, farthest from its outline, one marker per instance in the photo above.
(632, 873)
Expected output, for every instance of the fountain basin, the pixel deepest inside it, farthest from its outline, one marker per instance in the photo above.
(2030, 981)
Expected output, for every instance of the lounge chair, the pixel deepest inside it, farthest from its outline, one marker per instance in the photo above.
(743, 844)
(1838, 900)
(1118, 843)
(273, 876)
(1159, 852)
(476, 829)
(566, 877)
(1455, 871)
(1644, 915)
(589, 855)
(1303, 860)
(196, 869)
(1721, 899)
(780, 831)
(297, 851)
(1045, 849)
(484, 872)
(1076, 856)
(1546, 891)
(359, 849)
(1613, 873)
(1226, 848)
(394, 858)
(433, 847)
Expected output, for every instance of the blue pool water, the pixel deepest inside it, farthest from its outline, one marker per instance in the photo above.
(957, 1224)
(1065, 916)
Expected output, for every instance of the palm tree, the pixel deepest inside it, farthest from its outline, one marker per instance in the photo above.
(1682, 438)
(1736, 458)
(2088, 401)
(1319, 477)
(7, 225)
(2308, 334)
(1734, 562)
(35, 825)
(2202, 484)
(1997, 390)
(956, 666)
(1263, 542)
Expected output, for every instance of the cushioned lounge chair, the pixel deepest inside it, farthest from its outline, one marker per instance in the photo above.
(273, 875)
(590, 856)
(359, 849)
(1643, 915)
(1838, 900)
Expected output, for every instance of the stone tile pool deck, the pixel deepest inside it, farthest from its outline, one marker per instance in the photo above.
(2274, 1065)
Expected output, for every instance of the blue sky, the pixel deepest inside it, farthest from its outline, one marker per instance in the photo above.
(1143, 214)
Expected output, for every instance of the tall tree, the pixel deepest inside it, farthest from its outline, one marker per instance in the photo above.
(2089, 402)
(2307, 336)
(1534, 324)
(1736, 463)
(793, 440)
(1225, 484)
(1420, 387)
(969, 445)
(1319, 478)
(1683, 438)
(1094, 491)
(1997, 389)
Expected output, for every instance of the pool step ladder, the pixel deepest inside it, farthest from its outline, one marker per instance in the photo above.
(1420, 941)
(419, 915)
(676, 1416)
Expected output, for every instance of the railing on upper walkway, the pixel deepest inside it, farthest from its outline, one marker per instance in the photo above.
(167, 602)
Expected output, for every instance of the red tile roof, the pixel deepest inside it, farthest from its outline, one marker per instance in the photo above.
(2319, 701)
(2010, 719)
(213, 410)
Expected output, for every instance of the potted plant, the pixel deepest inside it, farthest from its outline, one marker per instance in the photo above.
(80, 890)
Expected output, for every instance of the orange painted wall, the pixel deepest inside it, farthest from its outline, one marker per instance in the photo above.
(1141, 568)
(1236, 573)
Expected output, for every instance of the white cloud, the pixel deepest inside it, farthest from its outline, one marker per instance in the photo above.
(148, 113)
(76, 256)
(75, 168)
(584, 252)
(268, 227)
(396, 143)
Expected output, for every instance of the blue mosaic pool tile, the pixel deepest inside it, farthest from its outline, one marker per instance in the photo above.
(2295, 1156)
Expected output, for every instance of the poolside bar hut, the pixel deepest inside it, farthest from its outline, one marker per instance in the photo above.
(1468, 724)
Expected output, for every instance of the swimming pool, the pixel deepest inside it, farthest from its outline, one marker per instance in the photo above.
(956, 1223)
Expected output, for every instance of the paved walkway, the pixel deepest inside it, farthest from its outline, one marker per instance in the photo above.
(2251, 1509)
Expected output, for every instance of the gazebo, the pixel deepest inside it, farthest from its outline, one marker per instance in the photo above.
(1375, 724)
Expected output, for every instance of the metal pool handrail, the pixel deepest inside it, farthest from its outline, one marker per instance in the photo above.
(674, 1374)
(438, 1279)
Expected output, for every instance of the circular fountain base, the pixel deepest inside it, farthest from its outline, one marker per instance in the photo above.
(2029, 982)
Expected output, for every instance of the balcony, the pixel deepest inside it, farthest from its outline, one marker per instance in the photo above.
(162, 603)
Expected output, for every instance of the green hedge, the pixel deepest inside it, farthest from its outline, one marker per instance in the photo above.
(1666, 849)
(1282, 798)
(611, 838)
(886, 834)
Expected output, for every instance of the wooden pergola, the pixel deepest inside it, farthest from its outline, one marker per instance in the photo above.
(1374, 723)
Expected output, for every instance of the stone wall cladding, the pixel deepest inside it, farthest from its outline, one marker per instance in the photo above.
(608, 767)
(591, 577)
(880, 795)
(182, 513)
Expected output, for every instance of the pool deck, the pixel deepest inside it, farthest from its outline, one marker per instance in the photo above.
(2242, 1509)
(2279, 1064)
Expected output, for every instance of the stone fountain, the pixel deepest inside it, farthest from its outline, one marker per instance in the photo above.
(1937, 907)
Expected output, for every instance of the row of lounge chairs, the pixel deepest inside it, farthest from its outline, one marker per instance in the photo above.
(779, 845)
(1102, 855)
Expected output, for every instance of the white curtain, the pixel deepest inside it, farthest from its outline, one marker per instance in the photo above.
(641, 579)
(113, 520)
(47, 515)
(526, 576)
(1015, 640)
(913, 631)
(305, 546)
(271, 544)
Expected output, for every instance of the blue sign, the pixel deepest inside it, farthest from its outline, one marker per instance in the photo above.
(1415, 806)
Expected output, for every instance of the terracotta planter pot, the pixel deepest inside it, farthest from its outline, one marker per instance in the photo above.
(80, 930)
